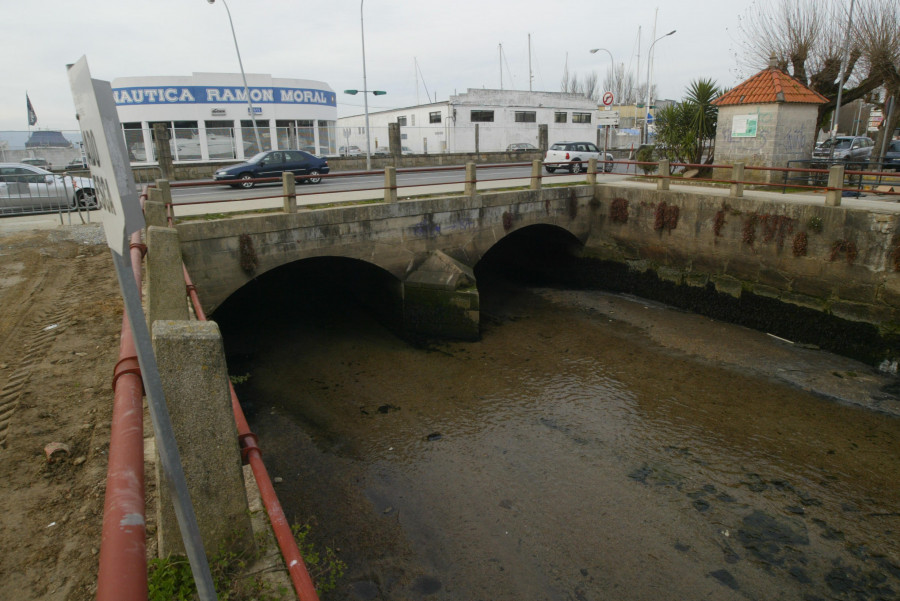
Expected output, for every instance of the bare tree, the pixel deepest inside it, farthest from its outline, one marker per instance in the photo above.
(806, 37)
(621, 83)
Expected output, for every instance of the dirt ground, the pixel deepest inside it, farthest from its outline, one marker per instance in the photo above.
(60, 317)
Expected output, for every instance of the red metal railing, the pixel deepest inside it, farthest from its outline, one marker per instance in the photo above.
(123, 557)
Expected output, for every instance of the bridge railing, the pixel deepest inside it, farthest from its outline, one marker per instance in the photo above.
(357, 186)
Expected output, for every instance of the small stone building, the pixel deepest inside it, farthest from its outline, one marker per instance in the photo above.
(767, 120)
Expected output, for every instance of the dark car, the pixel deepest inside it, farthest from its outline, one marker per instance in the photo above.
(891, 158)
(272, 164)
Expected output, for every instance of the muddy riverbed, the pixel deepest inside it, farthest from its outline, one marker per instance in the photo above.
(589, 447)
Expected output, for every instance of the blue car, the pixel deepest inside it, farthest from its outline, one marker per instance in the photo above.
(272, 164)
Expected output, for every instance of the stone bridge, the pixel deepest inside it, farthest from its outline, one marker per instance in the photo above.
(792, 251)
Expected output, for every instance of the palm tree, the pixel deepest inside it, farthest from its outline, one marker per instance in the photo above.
(686, 131)
(700, 95)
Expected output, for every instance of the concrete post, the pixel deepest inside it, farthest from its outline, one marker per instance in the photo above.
(536, 174)
(471, 179)
(166, 295)
(592, 172)
(155, 212)
(737, 176)
(543, 138)
(394, 140)
(160, 195)
(163, 151)
(191, 361)
(390, 184)
(289, 185)
(835, 180)
(662, 182)
(476, 139)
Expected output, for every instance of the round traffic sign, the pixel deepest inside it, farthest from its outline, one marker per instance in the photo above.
(608, 98)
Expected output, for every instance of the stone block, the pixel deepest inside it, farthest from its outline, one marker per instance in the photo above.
(668, 274)
(696, 280)
(813, 286)
(728, 285)
(861, 312)
(191, 361)
(802, 300)
(767, 291)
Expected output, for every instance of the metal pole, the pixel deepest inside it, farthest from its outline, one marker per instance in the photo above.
(259, 147)
(169, 457)
(837, 108)
(365, 88)
(647, 106)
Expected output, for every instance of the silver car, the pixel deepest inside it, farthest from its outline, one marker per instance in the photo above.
(29, 189)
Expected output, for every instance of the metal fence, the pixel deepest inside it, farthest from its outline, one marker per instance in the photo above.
(858, 175)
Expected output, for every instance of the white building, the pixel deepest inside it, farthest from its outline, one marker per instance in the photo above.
(503, 117)
(208, 115)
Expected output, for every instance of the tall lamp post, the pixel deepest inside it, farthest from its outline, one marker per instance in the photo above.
(647, 106)
(374, 93)
(611, 59)
(613, 76)
(246, 88)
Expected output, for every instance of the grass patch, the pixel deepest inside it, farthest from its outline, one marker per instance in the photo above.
(170, 578)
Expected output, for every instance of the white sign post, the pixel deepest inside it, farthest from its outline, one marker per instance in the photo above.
(104, 145)
(121, 214)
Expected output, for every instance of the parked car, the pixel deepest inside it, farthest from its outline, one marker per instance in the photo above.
(272, 164)
(350, 151)
(891, 158)
(28, 189)
(521, 147)
(405, 150)
(37, 162)
(846, 149)
(576, 154)
(77, 164)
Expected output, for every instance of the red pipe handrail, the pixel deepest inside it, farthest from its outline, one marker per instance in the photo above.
(250, 452)
(122, 570)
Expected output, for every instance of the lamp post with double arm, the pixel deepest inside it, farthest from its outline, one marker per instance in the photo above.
(647, 106)
(259, 147)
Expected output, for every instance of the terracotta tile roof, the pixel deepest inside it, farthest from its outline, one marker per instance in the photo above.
(767, 86)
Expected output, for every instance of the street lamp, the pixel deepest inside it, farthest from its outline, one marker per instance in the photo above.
(837, 106)
(647, 106)
(366, 102)
(612, 60)
(241, 64)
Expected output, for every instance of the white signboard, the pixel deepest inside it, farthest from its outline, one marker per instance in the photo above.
(608, 118)
(104, 145)
(744, 126)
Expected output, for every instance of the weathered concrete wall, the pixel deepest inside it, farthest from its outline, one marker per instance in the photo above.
(397, 237)
(785, 132)
(836, 260)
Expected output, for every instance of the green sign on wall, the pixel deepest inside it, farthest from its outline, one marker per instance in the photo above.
(744, 126)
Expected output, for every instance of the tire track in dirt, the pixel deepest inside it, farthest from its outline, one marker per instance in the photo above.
(42, 330)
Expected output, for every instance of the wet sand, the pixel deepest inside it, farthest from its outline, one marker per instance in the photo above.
(590, 446)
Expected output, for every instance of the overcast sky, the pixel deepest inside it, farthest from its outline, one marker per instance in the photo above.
(455, 43)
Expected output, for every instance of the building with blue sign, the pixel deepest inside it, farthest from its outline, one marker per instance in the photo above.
(208, 115)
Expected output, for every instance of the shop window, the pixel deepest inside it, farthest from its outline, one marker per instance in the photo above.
(220, 139)
(526, 117)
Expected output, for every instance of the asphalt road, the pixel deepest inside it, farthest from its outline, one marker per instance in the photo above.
(357, 185)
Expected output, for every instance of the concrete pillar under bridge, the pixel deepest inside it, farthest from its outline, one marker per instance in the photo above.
(440, 299)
